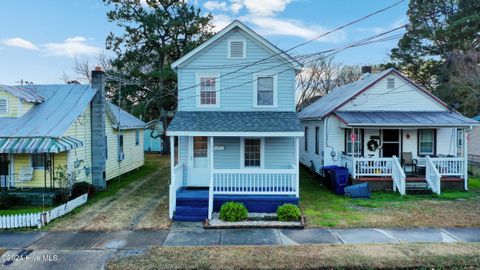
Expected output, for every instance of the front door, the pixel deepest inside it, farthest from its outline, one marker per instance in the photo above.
(4, 169)
(390, 143)
(199, 167)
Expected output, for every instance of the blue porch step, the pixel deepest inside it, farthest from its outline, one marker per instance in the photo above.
(192, 205)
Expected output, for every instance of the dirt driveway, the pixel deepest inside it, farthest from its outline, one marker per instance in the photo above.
(141, 204)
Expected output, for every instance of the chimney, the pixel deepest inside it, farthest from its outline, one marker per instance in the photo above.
(366, 70)
(99, 144)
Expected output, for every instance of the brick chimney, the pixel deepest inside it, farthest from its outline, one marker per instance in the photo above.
(99, 145)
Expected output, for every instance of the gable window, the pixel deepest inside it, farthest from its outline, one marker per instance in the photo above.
(236, 49)
(426, 142)
(305, 139)
(390, 83)
(137, 137)
(252, 152)
(3, 105)
(208, 90)
(39, 161)
(353, 140)
(317, 131)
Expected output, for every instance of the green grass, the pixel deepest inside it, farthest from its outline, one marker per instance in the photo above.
(325, 209)
(24, 210)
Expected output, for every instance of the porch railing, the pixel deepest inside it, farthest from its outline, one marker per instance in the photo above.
(432, 175)
(398, 177)
(175, 184)
(360, 166)
(452, 166)
(256, 181)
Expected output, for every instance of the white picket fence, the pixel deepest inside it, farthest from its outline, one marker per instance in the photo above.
(41, 218)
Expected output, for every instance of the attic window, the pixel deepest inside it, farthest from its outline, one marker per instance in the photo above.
(236, 49)
(3, 105)
(390, 83)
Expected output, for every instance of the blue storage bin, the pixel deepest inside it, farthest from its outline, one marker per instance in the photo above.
(358, 191)
(336, 178)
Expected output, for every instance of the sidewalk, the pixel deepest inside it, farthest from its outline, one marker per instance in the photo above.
(193, 234)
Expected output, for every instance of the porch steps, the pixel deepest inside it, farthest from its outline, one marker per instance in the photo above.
(192, 205)
(417, 187)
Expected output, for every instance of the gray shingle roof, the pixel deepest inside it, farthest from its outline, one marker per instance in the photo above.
(235, 122)
(61, 106)
(404, 118)
(126, 120)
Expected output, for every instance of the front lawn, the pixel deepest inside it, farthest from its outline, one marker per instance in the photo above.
(24, 210)
(367, 256)
(139, 200)
(322, 208)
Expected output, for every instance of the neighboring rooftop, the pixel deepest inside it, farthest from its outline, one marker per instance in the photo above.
(126, 120)
(404, 118)
(24, 93)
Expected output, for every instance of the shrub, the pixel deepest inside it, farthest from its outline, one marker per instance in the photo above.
(8, 201)
(288, 212)
(81, 188)
(233, 212)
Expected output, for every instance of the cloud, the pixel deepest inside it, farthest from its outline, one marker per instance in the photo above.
(285, 27)
(20, 43)
(215, 5)
(259, 7)
(71, 47)
(220, 21)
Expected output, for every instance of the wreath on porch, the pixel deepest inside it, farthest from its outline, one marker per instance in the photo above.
(372, 145)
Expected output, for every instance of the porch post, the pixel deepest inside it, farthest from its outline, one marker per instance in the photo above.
(465, 160)
(172, 177)
(210, 188)
(297, 167)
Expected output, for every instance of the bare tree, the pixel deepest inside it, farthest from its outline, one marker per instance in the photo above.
(320, 77)
(83, 66)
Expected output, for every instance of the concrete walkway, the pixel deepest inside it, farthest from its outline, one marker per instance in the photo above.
(94, 248)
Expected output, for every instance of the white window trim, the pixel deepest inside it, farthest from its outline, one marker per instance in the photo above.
(433, 143)
(262, 153)
(244, 41)
(255, 101)
(6, 106)
(217, 89)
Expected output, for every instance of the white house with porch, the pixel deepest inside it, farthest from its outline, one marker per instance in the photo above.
(387, 131)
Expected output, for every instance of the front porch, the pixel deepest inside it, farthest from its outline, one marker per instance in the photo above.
(206, 175)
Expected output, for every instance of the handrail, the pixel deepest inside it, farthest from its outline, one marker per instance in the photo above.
(175, 184)
(398, 176)
(432, 175)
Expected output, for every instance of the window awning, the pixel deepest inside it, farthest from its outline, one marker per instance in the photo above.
(38, 145)
(404, 119)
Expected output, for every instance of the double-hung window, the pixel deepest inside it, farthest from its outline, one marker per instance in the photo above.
(265, 91)
(3, 105)
(426, 142)
(208, 88)
(137, 137)
(252, 153)
(353, 141)
(305, 139)
(317, 131)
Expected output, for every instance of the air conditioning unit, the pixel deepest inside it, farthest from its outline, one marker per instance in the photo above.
(121, 156)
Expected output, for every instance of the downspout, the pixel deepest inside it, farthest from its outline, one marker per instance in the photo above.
(332, 152)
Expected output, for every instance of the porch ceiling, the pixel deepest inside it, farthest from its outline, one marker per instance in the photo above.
(404, 119)
(235, 123)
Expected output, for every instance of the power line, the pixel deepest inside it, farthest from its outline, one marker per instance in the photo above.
(362, 42)
(303, 43)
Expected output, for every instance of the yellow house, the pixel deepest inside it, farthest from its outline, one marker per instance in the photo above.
(45, 127)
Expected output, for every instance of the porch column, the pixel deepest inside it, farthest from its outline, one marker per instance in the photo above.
(172, 203)
(465, 160)
(297, 166)
(210, 189)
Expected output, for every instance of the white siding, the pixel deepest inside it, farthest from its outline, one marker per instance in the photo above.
(308, 157)
(474, 141)
(404, 97)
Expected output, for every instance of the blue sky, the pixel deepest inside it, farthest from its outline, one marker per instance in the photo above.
(39, 40)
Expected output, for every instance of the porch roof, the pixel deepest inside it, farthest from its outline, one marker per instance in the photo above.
(235, 124)
(38, 145)
(404, 119)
